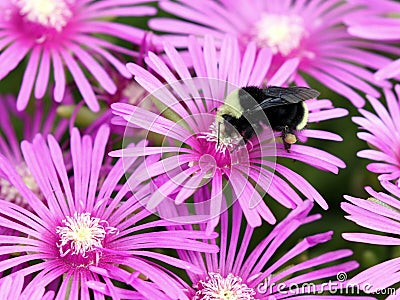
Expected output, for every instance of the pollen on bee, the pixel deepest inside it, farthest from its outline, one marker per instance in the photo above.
(290, 138)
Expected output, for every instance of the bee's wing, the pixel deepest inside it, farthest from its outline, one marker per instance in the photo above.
(270, 102)
(276, 96)
(293, 94)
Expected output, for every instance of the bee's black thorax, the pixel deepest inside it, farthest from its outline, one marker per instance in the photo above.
(241, 125)
(248, 94)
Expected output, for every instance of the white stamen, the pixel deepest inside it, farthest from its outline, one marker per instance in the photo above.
(222, 141)
(282, 33)
(82, 234)
(49, 13)
(217, 287)
(10, 193)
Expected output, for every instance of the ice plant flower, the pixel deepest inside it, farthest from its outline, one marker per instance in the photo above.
(90, 228)
(381, 213)
(196, 160)
(242, 271)
(381, 132)
(312, 31)
(65, 35)
(378, 21)
(43, 120)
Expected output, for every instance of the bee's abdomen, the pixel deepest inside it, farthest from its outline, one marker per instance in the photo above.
(283, 116)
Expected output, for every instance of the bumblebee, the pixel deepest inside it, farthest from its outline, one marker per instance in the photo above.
(245, 110)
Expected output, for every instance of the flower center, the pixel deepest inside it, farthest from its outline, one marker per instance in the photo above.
(223, 142)
(281, 33)
(83, 235)
(224, 145)
(49, 13)
(9, 193)
(216, 287)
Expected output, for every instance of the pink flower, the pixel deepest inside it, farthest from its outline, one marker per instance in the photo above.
(90, 229)
(312, 31)
(274, 267)
(60, 35)
(382, 134)
(380, 213)
(378, 21)
(43, 120)
(194, 161)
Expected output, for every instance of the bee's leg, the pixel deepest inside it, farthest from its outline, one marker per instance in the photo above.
(247, 134)
(284, 135)
(218, 133)
(287, 146)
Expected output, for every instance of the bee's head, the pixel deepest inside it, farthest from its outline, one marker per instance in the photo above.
(224, 128)
(231, 107)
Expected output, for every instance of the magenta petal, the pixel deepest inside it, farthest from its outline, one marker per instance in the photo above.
(28, 80)
(83, 84)
(248, 199)
(95, 69)
(59, 77)
(43, 75)
(375, 32)
(388, 71)
(283, 74)
(371, 239)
